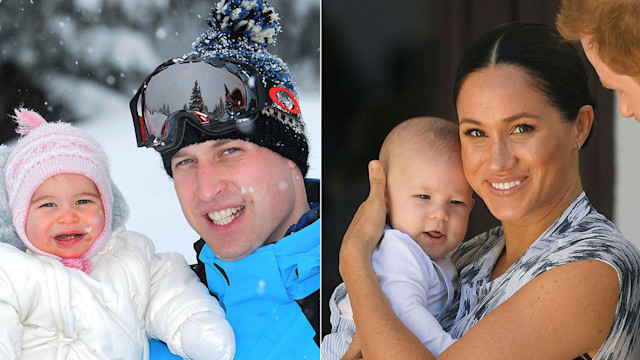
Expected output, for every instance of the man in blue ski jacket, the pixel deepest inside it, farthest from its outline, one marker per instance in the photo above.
(226, 120)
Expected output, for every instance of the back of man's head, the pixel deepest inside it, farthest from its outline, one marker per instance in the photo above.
(613, 27)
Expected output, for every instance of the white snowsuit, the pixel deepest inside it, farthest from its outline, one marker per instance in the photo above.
(50, 311)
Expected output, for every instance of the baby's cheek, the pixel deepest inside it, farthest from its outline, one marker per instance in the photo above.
(93, 223)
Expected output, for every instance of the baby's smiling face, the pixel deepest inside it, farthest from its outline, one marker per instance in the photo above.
(429, 199)
(65, 215)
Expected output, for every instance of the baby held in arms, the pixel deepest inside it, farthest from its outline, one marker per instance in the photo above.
(428, 205)
(85, 287)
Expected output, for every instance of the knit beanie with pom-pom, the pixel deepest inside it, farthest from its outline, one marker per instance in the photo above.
(48, 149)
(240, 30)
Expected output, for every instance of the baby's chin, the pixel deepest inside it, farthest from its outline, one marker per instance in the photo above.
(439, 252)
(73, 252)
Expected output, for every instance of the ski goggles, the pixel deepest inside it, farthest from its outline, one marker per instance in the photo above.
(216, 96)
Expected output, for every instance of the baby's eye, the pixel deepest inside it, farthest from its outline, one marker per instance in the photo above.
(83, 201)
(523, 128)
(48, 205)
(424, 196)
(457, 202)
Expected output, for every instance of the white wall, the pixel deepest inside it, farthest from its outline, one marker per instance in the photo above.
(626, 191)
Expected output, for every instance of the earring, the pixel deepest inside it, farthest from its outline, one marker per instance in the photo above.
(579, 146)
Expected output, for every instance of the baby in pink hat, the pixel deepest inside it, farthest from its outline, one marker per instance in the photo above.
(86, 288)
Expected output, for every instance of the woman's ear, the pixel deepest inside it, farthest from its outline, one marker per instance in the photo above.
(583, 124)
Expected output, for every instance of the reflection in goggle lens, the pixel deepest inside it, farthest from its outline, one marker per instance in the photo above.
(194, 86)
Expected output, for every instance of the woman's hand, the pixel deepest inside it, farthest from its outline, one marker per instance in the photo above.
(354, 351)
(367, 225)
(380, 334)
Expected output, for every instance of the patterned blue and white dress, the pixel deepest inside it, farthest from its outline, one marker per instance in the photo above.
(581, 233)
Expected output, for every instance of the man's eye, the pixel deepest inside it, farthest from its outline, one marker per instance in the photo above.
(230, 151)
(184, 162)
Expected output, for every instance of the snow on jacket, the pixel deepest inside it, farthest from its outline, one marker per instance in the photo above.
(50, 311)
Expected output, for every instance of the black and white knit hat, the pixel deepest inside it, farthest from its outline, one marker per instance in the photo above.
(240, 30)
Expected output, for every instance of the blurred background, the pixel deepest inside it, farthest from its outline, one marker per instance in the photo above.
(384, 62)
(82, 60)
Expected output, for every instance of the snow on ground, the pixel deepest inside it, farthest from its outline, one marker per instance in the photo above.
(138, 172)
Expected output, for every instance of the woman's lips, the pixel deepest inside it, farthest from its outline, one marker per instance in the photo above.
(505, 185)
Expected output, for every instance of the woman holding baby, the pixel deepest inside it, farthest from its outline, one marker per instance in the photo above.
(556, 280)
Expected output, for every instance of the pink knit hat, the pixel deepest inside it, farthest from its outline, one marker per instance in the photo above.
(48, 149)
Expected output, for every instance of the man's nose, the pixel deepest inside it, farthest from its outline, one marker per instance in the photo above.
(625, 107)
(211, 181)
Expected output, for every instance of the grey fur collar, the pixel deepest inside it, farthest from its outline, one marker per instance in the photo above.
(7, 231)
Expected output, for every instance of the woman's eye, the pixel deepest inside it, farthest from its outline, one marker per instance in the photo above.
(474, 133)
(424, 197)
(522, 128)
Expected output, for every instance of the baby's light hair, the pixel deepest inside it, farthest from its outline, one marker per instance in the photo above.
(425, 134)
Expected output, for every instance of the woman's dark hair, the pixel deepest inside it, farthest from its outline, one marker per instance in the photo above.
(553, 63)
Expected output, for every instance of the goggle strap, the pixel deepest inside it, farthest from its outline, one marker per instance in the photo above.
(143, 132)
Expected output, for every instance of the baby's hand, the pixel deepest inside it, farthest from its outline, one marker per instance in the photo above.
(208, 335)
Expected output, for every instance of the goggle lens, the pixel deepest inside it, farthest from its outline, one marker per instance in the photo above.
(214, 92)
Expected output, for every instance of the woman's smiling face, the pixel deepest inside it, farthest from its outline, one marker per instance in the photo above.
(519, 153)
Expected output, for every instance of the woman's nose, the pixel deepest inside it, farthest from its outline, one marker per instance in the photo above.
(502, 157)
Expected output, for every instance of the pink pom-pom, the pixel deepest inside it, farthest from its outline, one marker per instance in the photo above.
(27, 120)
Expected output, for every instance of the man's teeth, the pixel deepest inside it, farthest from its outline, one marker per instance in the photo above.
(506, 186)
(224, 217)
